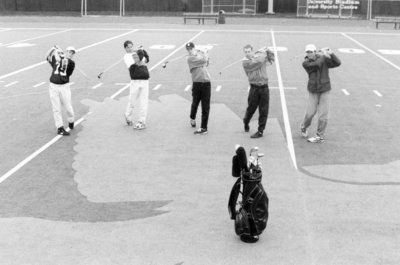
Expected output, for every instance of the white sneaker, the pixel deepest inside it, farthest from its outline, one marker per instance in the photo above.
(139, 126)
(316, 139)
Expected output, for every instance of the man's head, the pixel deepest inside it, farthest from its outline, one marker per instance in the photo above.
(190, 48)
(248, 51)
(310, 51)
(136, 58)
(70, 51)
(128, 46)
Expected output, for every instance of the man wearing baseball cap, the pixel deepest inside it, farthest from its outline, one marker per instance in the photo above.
(201, 88)
(59, 88)
(317, 66)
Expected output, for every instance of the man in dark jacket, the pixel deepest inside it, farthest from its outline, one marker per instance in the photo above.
(317, 66)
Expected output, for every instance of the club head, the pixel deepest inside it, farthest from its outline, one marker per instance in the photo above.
(260, 155)
(254, 149)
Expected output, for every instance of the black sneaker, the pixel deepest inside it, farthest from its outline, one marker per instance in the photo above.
(62, 131)
(257, 135)
(201, 131)
(71, 125)
(246, 127)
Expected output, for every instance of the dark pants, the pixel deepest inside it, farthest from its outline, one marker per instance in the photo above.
(258, 97)
(201, 92)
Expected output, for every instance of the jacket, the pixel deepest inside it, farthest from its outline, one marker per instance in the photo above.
(256, 69)
(198, 67)
(318, 72)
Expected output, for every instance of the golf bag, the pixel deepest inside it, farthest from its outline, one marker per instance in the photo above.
(250, 211)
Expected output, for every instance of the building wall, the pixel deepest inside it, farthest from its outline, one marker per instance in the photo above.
(280, 6)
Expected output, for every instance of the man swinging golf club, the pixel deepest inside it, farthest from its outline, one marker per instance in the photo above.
(255, 67)
(139, 86)
(201, 89)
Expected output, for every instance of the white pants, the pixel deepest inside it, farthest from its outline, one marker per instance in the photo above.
(60, 95)
(139, 99)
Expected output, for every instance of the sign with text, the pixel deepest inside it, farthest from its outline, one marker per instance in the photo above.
(333, 4)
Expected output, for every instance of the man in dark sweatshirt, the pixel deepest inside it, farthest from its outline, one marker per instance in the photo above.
(317, 66)
(139, 87)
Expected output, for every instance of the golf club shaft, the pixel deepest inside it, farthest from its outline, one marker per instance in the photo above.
(111, 66)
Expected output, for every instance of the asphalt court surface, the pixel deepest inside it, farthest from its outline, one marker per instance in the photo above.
(108, 195)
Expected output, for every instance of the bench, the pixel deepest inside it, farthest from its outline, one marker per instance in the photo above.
(394, 20)
(200, 17)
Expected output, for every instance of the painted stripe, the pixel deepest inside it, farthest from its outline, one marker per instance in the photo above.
(36, 153)
(345, 92)
(35, 38)
(164, 59)
(81, 49)
(157, 87)
(286, 87)
(121, 84)
(26, 94)
(371, 51)
(72, 83)
(218, 88)
(377, 93)
(40, 84)
(289, 138)
(188, 87)
(96, 86)
(218, 30)
(11, 84)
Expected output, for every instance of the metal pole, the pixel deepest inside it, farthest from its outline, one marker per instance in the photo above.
(82, 8)
(85, 7)
(123, 10)
(270, 7)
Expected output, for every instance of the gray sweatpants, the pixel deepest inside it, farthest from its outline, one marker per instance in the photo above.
(317, 102)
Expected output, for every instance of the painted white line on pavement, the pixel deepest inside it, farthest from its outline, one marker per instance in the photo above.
(35, 38)
(81, 49)
(188, 87)
(164, 59)
(36, 153)
(377, 93)
(121, 84)
(286, 87)
(11, 84)
(96, 86)
(218, 88)
(345, 92)
(289, 138)
(157, 87)
(371, 51)
(38, 85)
(22, 95)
